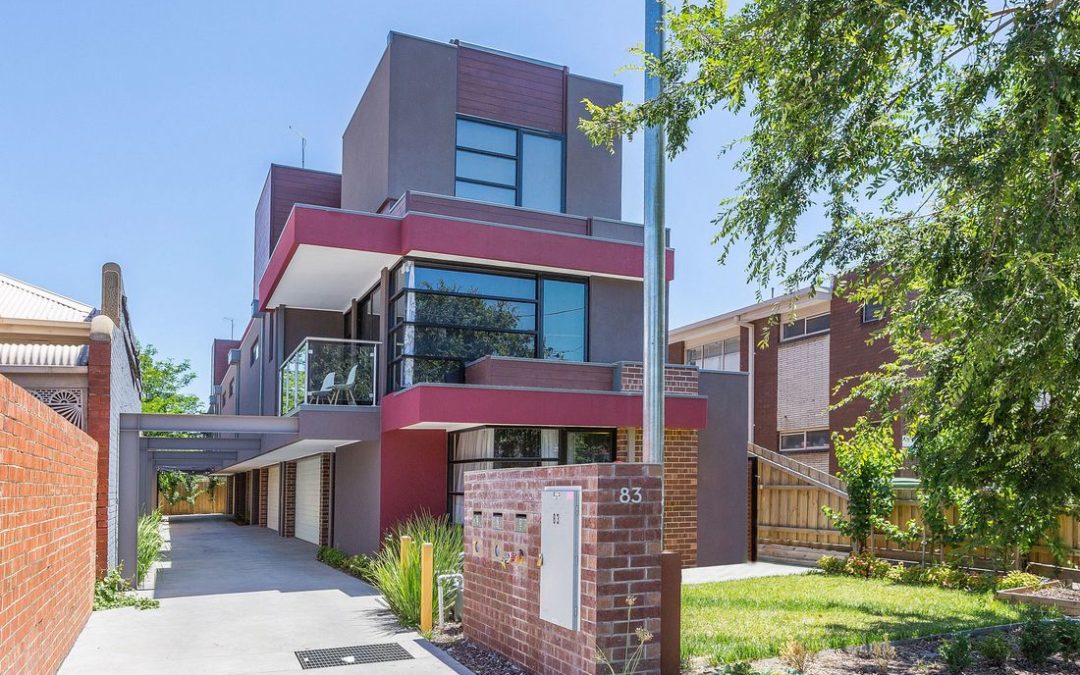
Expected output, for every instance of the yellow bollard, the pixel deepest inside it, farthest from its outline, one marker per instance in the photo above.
(406, 544)
(427, 574)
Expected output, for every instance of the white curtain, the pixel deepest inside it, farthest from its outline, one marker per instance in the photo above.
(471, 445)
(549, 443)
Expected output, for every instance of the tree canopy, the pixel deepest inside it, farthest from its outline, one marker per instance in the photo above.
(939, 142)
(163, 381)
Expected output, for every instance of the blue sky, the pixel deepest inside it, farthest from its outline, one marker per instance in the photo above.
(141, 133)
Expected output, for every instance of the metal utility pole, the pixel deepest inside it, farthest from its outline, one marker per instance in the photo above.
(655, 261)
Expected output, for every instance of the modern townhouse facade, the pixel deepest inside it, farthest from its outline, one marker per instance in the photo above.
(797, 350)
(463, 295)
(81, 362)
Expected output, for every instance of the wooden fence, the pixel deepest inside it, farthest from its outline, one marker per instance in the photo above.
(790, 526)
(203, 501)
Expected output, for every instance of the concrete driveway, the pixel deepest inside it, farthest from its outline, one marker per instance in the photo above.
(243, 600)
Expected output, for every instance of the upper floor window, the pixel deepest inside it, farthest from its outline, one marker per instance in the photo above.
(443, 317)
(873, 311)
(254, 352)
(800, 327)
(817, 439)
(509, 165)
(719, 355)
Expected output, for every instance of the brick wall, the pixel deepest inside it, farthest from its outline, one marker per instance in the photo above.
(48, 532)
(680, 461)
(326, 473)
(765, 384)
(288, 503)
(619, 558)
(98, 425)
(264, 481)
(680, 487)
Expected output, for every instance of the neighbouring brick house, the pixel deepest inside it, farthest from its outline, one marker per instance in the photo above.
(813, 342)
(81, 362)
(462, 296)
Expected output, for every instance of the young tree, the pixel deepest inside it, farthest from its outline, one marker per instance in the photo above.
(939, 141)
(163, 380)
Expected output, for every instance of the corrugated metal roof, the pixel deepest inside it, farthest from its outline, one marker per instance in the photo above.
(20, 300)
(42, 355)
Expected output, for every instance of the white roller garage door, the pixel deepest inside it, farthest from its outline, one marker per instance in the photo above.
(308, 498)
(273, 498)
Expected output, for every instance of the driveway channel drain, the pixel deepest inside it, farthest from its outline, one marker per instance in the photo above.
(351, 656)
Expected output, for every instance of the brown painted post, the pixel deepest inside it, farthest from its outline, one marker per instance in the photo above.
(670, 612)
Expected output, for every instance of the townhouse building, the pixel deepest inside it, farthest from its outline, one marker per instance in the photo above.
(81, 361)
(463, 295)
(798, 350)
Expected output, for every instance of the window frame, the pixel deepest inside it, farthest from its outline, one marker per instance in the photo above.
(784, 326)
(254, 356)
(723, 354)
(804, 447)
(877, 312)
(560, 461)
(517, 158)
(393, 327)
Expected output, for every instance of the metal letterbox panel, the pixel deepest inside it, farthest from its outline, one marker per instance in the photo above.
(560, 550)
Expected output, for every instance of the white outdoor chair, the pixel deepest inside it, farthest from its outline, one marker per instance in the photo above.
(325, 391)
(346, 387)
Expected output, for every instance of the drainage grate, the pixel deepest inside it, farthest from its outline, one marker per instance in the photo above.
(350, 656)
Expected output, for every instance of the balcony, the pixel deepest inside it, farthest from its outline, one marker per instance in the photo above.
(327, 372)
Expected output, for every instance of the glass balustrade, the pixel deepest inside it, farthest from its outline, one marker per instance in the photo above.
(328, 372)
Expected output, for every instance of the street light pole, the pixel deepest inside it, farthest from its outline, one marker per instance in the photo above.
(655, 286)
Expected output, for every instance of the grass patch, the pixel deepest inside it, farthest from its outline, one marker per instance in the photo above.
(754, 618)
(148, 542)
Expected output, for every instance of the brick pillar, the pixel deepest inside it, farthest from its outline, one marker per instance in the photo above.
(288, 503)
(264, 480)
(326, 488)
(98, 427)
(765, 372)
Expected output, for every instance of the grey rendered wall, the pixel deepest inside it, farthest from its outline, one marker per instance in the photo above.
(356, 498)
(615, 319)
(722, 470)
(593, 175)
(423, 104)
(365, 147)
(250, 376)
(123, 398)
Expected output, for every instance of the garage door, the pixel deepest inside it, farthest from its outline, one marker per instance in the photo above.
(273, 498)
(308, 493)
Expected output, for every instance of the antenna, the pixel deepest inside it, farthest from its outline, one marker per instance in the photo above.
(232, 326)
(303, 145)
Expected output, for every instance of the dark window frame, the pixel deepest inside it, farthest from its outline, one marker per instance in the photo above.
(253, 358)
(876, 312)
(516, 157)
(560, 461)
(394, 327)
(785, 326)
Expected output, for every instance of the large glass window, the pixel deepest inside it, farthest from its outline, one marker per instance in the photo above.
(520, 447)
(444, 317)
(564, 320)
(509, 165)
(719, 355)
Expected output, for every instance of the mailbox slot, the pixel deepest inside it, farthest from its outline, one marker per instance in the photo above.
(560, 550)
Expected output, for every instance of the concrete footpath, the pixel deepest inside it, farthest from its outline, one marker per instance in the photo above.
(243, 600)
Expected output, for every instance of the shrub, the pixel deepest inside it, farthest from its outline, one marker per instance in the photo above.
(883, 653)
(907, 574)
(980, 583)
(994, 649)
(831, 564)
(148, 543)
(1068, 635)
(867, 566)
(360, 566)
(1038, 641)
(114, 591)
(331, 556)
(1017, 579)
(740, 668)
(956, 653)
(796, 656)
(947, 576)
(400, 586)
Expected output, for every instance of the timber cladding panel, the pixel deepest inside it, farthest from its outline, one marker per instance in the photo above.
(48, 481)
(619, 558)
(510, 90)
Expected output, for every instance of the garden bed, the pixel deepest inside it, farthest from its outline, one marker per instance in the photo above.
(1064, 598)
(477, 658)
(920, 656)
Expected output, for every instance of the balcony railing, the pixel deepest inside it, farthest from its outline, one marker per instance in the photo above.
(323, 371)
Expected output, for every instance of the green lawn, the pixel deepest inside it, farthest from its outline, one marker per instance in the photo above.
(752, 619)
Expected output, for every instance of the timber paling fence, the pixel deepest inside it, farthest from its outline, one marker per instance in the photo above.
(203, 503)
(791, 526)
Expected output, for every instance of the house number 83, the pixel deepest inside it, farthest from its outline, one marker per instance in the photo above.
(630, 495)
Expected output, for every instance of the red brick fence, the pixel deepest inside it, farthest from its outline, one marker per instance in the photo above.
(48, 478)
